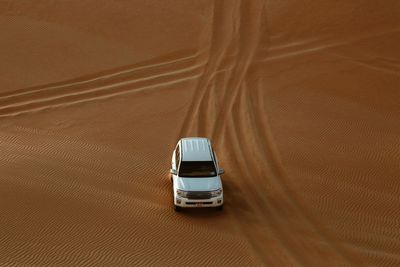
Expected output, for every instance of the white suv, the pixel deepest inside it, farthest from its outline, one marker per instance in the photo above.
(195, 175)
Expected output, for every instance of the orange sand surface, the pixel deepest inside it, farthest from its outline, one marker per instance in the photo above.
(300, 98)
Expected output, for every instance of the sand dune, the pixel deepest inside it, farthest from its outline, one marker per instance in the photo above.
(300, 99)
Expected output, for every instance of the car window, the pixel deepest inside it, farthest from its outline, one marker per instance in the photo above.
(197, 169)
(177, 156)
(215, 158)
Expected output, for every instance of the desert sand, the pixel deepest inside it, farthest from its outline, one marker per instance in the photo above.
(301, 100)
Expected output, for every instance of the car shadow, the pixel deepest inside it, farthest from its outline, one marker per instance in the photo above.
(201, 212)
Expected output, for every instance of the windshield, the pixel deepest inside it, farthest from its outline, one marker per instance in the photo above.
(197, 169)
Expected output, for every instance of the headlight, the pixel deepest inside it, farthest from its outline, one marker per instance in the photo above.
(216, 193)
(181, 193)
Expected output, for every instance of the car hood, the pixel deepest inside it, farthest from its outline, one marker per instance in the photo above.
(199, 184)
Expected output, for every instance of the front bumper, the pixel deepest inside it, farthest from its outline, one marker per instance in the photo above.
(198, 203)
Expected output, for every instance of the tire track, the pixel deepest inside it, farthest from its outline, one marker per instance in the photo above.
(293, 203)
(202, 101)
(248, 33)
(249, 21)
(100, 88)
(95, 94)
(301, 48)
(221, 38)
(271, 154)
(172, 59)
(262, 207)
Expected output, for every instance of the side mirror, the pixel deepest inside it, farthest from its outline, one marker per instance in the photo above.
(173, 171)
(221, 171)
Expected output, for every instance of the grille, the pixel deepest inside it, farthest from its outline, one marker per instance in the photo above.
(198, 195)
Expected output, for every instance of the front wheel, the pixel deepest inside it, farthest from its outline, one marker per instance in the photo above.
(220, 208)
(178, 208)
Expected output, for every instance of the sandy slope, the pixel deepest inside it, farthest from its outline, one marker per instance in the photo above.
(301, 101)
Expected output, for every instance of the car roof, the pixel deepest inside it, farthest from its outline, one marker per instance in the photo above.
(196, 149)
